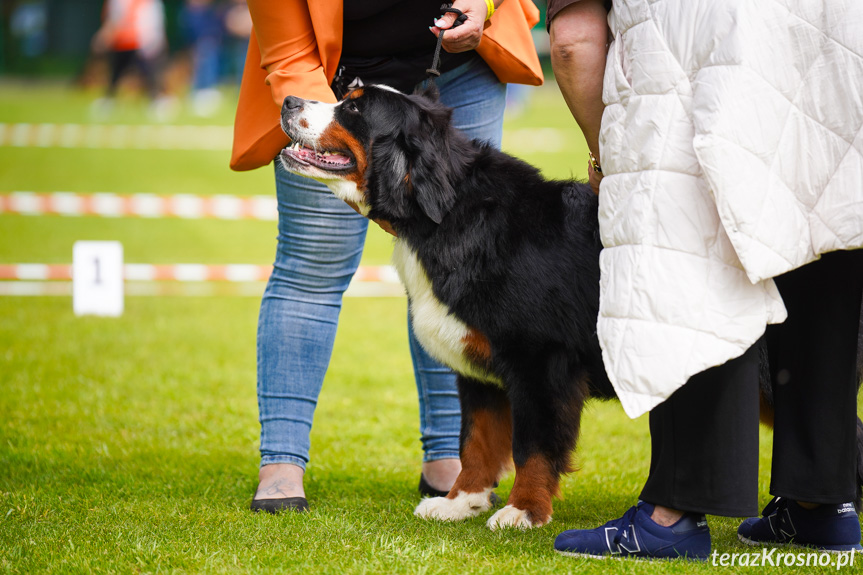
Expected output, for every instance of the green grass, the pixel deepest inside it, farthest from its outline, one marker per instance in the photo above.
(130, 444)
(128, 172)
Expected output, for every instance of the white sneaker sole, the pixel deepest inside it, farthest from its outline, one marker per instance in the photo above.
(754, 543)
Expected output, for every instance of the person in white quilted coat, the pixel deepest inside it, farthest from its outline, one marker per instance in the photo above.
(732, 146)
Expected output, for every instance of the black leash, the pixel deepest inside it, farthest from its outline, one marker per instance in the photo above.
(461, 18)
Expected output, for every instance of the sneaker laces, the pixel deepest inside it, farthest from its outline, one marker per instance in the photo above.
(776, 504)
(622, 524)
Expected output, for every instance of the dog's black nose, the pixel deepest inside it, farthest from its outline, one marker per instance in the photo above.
(292, 104)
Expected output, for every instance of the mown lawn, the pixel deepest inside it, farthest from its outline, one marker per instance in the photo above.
(130, 444)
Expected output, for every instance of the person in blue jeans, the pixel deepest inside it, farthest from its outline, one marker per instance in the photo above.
(320, 243)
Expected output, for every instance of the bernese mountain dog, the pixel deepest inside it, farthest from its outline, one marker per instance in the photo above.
(501, 267)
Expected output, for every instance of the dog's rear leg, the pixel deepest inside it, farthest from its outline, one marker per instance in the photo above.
(486, 445)
(545, 430)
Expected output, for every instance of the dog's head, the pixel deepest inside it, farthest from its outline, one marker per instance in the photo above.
(388, 154)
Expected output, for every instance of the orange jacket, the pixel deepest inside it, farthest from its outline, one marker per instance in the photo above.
(295, 49)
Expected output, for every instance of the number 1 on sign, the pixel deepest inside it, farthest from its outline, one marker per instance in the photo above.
(97, 278)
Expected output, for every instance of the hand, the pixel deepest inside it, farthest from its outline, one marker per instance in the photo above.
(468, 35)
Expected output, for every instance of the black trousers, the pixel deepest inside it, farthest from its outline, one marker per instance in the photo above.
(704, 455)
(704, 442)
(813, 361)
(122, 60)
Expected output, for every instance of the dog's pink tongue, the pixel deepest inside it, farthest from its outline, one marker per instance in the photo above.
(309, 155)
(334, 159)
(304, 153)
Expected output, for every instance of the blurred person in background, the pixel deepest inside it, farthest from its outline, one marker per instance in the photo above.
(238, 28)
(133, 35)
(201, 23)
(28, 25)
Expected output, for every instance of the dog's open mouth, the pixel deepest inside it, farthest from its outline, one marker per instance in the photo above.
(325, 160)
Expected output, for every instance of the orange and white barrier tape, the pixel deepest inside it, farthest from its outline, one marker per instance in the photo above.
(182, 272)
(54, 279)
(166, 137)
(108, 205)
(116, 136)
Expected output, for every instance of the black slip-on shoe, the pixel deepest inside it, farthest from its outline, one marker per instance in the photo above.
(427, 490)
(298, 504)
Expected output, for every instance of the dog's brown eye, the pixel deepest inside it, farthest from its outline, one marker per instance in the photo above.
(351, 106)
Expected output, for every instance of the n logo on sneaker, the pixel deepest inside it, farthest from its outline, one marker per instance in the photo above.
(782, 526)
(623, 541)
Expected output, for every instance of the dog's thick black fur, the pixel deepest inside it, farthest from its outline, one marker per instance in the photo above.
(491, 251)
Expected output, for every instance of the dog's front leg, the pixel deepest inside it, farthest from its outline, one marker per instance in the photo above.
(486, 445)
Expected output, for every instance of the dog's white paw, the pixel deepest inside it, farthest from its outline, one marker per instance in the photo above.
(511, 516)
(463, 506)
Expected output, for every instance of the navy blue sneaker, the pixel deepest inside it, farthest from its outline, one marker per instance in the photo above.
(827, 527)
(637, 535)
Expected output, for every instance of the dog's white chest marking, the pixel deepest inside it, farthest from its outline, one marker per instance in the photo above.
(440, 332)
(347, 191)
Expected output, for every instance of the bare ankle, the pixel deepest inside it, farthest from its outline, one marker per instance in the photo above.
(280, 480)
(441, 473)
(665, 516)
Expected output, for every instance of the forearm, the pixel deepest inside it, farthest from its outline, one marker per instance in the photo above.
(578, 52)
(289, 50)
(579, 77)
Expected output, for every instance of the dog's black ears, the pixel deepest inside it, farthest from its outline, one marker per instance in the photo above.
(389, 176)
(413, 164)
(431, 182)
(431, 169)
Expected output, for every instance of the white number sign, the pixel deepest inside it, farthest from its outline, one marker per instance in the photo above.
(97, 278)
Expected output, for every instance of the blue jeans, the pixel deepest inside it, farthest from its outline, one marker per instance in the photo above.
(319, 247)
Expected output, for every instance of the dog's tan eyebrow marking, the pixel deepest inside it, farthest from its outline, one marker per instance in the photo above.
(355, 94)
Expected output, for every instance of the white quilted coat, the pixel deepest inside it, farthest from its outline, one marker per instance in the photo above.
(733, 151)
